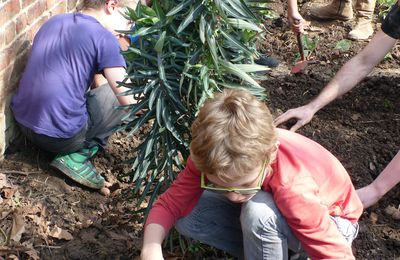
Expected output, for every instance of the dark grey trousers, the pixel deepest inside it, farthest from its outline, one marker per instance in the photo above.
(102, 121)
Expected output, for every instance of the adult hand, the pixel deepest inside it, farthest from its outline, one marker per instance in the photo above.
(296, 22)
(303, 115)
(369, 195)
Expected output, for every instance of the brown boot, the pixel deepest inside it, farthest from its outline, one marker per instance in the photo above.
(337, 10)
(363, 29)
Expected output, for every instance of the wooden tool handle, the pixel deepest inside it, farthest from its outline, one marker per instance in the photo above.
(300, 44)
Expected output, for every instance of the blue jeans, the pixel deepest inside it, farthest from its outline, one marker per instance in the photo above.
(103, 119)
(252, 230)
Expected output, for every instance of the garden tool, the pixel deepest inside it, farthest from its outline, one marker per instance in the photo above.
(300, 65)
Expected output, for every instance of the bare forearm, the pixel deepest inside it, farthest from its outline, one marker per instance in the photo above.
(113, 76)
(354, 70)
(154, 234)
(389, 177)
(346, 79)
(292, 6)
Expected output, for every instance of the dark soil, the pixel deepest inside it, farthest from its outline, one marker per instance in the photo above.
(44, 215)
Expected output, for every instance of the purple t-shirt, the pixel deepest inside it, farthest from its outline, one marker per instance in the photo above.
(66, 53)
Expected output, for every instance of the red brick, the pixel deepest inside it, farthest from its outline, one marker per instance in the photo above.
(10, 32)
(21, 23)
(4, 59)
(51, 3)
(35, 11)
(36, 26)
(25, 3)
(2, 39)
(59, 9)
(8, 11)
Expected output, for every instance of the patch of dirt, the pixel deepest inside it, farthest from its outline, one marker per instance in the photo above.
(44, 215)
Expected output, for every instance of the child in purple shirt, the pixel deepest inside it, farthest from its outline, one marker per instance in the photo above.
(54, 105)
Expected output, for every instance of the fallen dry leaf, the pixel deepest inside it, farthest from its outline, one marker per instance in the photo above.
(3, 181)
(115, 236)
(4, 213)
(8, 192)
(18, 227)
(31, 252)
(372, 166)
(59, 233)
(355, 117)
(373, 217)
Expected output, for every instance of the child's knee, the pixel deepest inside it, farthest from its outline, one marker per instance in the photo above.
(259, 213)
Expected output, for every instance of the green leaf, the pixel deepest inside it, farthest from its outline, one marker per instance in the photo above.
(141, 53)
(141, 121)
(159, 108)
(148, 10)
(242, 8)
(248, 68)
(179, 7)
(228, 11)
(233, 69)
(236, 43)
(202, 29)
(145, 31)
(160, 43)
(159, 11)
(243, 25)
(194, 13)
(153, 95)
(343, 45)
(212, 45)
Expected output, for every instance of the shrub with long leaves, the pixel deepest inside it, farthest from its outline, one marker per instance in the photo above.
(187, 50)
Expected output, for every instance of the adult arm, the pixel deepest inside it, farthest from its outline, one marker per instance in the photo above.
(347, 78)
(386, 180)
(114, 75)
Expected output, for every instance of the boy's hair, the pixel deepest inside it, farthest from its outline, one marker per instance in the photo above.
(96, 4)
(234, 131)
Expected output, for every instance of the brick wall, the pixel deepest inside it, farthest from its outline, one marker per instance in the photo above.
(19, 21)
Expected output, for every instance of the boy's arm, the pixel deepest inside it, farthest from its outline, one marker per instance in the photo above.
(178, 201)
(114, 75)
(386, 180)
(154, 234)
(346, 79)
(294, 17)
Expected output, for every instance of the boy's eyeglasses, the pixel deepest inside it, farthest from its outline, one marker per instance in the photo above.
(243, 191)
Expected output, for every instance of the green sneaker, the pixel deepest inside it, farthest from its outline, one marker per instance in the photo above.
(78, 167)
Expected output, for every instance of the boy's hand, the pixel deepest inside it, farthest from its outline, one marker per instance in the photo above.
(296, 22)
(303, 114)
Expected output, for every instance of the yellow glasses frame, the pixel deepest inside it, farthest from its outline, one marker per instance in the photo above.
(242, 191)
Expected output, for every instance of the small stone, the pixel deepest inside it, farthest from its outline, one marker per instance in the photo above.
(390, 210)
(396, 215)
(105, 191)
